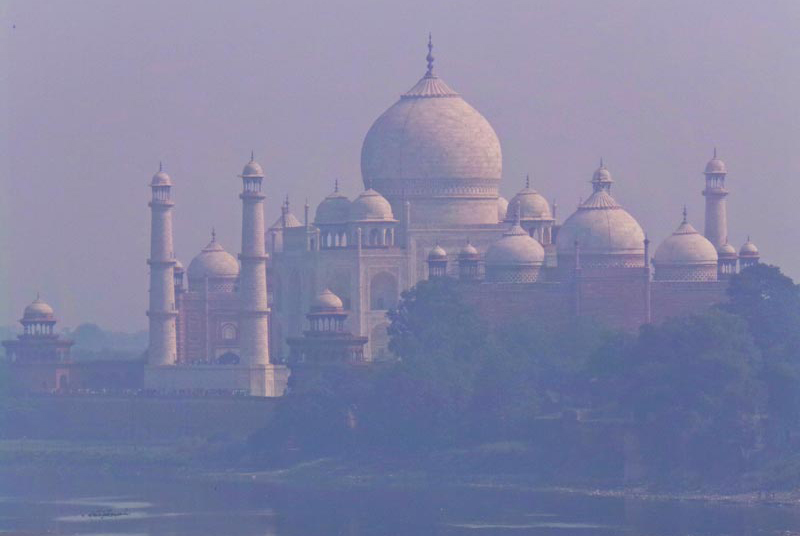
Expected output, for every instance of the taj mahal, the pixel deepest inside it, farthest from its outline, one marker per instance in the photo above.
(318, 286)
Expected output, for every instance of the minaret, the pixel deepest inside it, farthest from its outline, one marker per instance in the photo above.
(253, 322)
(716, 229)
(162, 349)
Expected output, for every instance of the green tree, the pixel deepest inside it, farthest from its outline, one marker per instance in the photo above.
(770, 303)
(692, 386)
(440, 343)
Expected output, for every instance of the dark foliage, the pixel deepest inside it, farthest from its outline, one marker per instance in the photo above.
(706, 398)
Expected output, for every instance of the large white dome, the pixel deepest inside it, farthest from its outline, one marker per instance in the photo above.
(601, 227)
(686, 247)
(435, 150)
(430, 133)
(213, 262)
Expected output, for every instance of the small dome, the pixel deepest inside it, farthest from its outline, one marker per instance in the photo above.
(213, 262)
(686, 247)
(515, 248)
(726, 251)
(437, 254)
(602, 174)
(326, 301)
(468, 252)
(502, 208)
(161, 179)
(715, 165)
(333, 209)
(38, 310)
(371, 206)
(252, 169)
(748, 249)
(530, 204)
(601, 227)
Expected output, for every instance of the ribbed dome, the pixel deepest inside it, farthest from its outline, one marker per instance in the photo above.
(437, 254)
(38, 310)
(431, 133)
(333, 209)
(502, 208)
(686, 247)
(601, 227)
(326, 301)
(749, 249)
(515, 248)
(530, 204)
(213, 262)
(252, 169)
(291, 221)
(370, 206)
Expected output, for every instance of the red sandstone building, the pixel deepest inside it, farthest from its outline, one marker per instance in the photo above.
(39, 360)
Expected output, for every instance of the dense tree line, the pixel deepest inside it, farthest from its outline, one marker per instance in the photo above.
(712, 398)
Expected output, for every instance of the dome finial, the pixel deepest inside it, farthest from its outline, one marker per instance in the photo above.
(527, 180)
(252, 155)
(336, 185)
(429, 57)
(160, 166)
(213, 234)
(685, 214)
(715, 152)
(286, 202)
(602, 165)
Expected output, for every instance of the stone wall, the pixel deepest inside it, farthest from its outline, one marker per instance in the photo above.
(680, 298)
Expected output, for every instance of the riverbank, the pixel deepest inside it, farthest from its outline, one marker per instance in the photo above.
(213, 462)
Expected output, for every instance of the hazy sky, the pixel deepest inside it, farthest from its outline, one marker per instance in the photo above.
(95, 93)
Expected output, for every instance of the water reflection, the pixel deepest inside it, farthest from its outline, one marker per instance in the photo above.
(157, 507)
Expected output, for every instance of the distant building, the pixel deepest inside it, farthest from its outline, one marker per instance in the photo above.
(326, 340)
(431, 167)
(39, 360)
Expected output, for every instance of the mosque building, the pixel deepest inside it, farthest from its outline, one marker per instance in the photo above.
(319, 288)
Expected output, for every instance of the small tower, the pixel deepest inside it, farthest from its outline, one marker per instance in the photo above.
(727, 261)
(468, 259)
(179, 272)
(437, 262)
(601, 180)
(162, 349)
(254, 327)
(748, 255)
(39, 359)
(327, 342)
(716, 228)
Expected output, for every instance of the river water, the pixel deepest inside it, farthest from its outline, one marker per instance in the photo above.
(91, 504)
